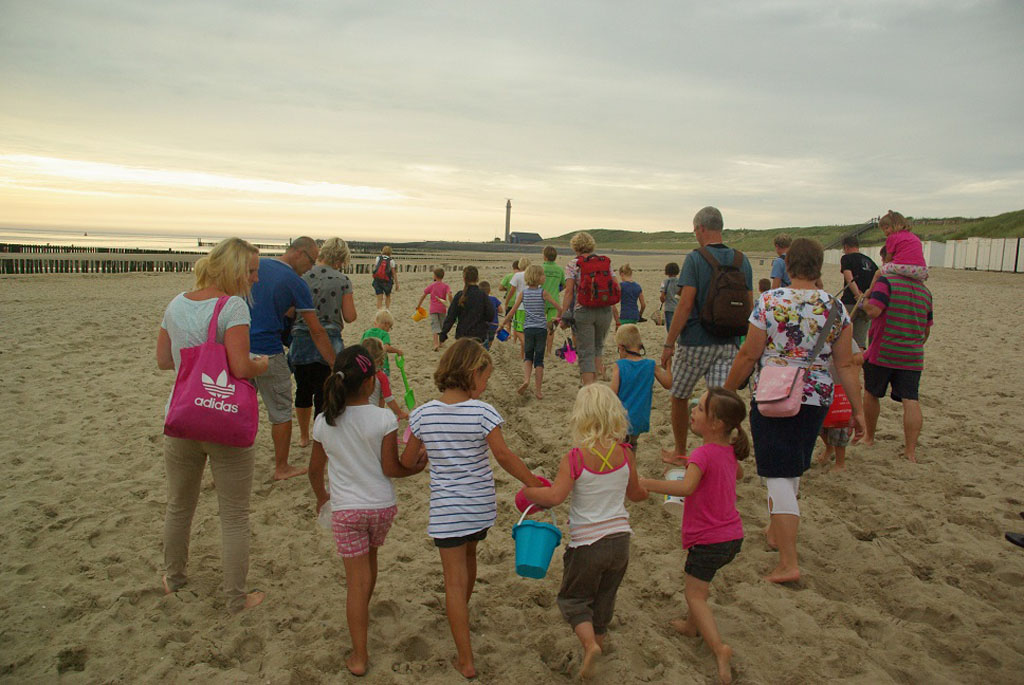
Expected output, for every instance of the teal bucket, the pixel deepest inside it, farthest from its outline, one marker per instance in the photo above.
(535, 544)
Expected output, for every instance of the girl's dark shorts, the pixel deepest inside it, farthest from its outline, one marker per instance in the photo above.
(461, 540)
(703, 561)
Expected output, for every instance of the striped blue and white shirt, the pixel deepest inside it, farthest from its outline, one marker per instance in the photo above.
(533, 305)
(462, 496)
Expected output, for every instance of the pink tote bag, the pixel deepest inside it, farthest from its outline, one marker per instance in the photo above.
(208, 403)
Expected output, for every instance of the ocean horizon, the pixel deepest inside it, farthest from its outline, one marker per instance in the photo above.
(159, 242)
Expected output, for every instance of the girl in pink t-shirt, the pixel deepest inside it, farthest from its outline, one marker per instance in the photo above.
(712, 529)
(904, 253)
(440, 297)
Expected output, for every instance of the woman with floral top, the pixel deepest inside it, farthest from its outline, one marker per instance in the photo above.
(783, 330)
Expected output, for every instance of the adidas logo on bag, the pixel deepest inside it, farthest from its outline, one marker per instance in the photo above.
(219, 389)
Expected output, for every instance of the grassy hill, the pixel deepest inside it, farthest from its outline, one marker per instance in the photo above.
(1009, 225)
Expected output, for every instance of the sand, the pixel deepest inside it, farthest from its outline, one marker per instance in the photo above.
(906, 575)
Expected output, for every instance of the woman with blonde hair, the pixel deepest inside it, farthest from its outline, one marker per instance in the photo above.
(590, 324)
(229, 270)
(332, 298)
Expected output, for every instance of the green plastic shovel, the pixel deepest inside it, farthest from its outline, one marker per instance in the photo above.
(410, 397)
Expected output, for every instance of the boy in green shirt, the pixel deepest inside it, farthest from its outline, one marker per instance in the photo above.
(383, 323)
(554, 281)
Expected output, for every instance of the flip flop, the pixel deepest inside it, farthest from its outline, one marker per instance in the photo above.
(1016, 538)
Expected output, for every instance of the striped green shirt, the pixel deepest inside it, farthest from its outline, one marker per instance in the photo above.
(898, 333)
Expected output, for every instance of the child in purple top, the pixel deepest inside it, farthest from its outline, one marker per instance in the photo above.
(712, 529)
(904, 251)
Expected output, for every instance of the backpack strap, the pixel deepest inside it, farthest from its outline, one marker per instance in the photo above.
(708, 257)
(737, 259)
(211, 332)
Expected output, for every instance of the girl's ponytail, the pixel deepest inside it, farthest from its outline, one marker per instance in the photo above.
(729, 408)
(352, 366)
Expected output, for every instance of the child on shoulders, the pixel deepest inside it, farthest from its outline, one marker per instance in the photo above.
(383, 322)
(532, 298)
(457, 429)
(440, 297)
(600, 473)
(358, 443)
(633, 379)
(905, 253)
(712, 528)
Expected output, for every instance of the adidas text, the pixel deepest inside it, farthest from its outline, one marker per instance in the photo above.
(219, 405)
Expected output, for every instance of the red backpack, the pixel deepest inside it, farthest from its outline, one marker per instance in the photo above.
(595, 286)
(383, 270)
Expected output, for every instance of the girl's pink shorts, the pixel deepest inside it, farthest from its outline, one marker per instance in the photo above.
(357, 530)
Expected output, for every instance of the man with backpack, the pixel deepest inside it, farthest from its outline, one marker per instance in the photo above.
(384, 277)
(715, 300)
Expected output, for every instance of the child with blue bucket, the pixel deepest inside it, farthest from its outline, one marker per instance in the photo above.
(712, 528)
(457, 429)
(600, 472)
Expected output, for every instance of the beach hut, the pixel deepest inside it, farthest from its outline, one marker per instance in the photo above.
(949, 258)
(934, 253)
(971, 254)
(1020, 256)
(984, 254)
(1010, 248)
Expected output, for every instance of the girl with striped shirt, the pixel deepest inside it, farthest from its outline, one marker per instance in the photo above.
(535, 325)
(457, 429)
(600, 473)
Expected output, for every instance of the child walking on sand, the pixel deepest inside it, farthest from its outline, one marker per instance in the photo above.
(600, 473)
(381, 395)
(632, 305)
(492, 327)
(440, 296)
(712, 529)
(470, 308)
(358, 443)
(633, 379)
(904, 249)
(383, 322)
(670, 292)
(837, 429)
(532, 299)
(457, 429)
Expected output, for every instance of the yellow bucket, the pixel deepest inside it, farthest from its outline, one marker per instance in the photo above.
(419, 314)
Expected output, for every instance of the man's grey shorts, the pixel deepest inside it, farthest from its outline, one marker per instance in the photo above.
(690, 364)
(275, 388)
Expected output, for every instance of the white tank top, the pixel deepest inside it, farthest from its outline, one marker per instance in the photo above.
(598, 507)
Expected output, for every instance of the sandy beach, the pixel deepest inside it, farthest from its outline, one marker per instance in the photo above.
(907, 578)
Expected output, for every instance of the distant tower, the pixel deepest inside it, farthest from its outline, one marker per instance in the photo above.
(508, 218)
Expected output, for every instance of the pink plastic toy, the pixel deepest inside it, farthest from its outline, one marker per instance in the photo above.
(522, 503)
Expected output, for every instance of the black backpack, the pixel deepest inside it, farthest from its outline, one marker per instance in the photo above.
(725, 310)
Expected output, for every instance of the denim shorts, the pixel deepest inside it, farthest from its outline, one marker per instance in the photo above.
(381, 286)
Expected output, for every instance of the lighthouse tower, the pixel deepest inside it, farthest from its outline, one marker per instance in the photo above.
(508, 218)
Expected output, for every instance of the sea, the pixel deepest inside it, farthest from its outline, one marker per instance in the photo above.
(157, 242)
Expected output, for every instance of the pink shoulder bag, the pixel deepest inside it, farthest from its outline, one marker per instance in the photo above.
(208, 403)
(780, 389)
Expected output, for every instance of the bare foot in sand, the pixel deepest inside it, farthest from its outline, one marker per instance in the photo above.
(522, 388)
(289, 472)
(357, 664)
(254, 599)
(167, 586)
(589, 667)
(538, 394)
(867, 440)
(910, 457)
(669, 457)
(783, 575)
(303, 442)
(824, 458)
(683, 627)
(723, 656)
(468, 671)
(838, 467)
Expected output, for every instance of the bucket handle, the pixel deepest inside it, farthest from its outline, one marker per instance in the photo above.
(531, 506)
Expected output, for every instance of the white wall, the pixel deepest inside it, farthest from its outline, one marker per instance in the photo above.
(1010, 253)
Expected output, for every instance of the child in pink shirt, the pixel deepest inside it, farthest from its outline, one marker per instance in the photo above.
(904, 251)
(712, 529)
(440, 297)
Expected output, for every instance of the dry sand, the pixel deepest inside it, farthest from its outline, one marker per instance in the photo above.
(906, 575)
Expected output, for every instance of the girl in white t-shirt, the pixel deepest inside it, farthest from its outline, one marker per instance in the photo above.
(359, 444)
(600, 473)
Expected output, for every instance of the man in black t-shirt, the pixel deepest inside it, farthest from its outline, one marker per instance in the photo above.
(858, 270)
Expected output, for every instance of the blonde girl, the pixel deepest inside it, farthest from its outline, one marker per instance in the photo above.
(600, 472)
(530, 301)
(228, 271)
(712, 529)
(457, 429)
(632, 304)
(904, 251)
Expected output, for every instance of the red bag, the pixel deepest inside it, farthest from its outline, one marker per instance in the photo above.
(840, 414)
(383, 270)
(596, 287)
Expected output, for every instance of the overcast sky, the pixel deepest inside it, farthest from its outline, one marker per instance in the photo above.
(410, 120)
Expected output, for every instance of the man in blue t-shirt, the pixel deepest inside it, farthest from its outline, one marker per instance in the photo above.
(697, 352)
(279, 289)
(779, 275)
